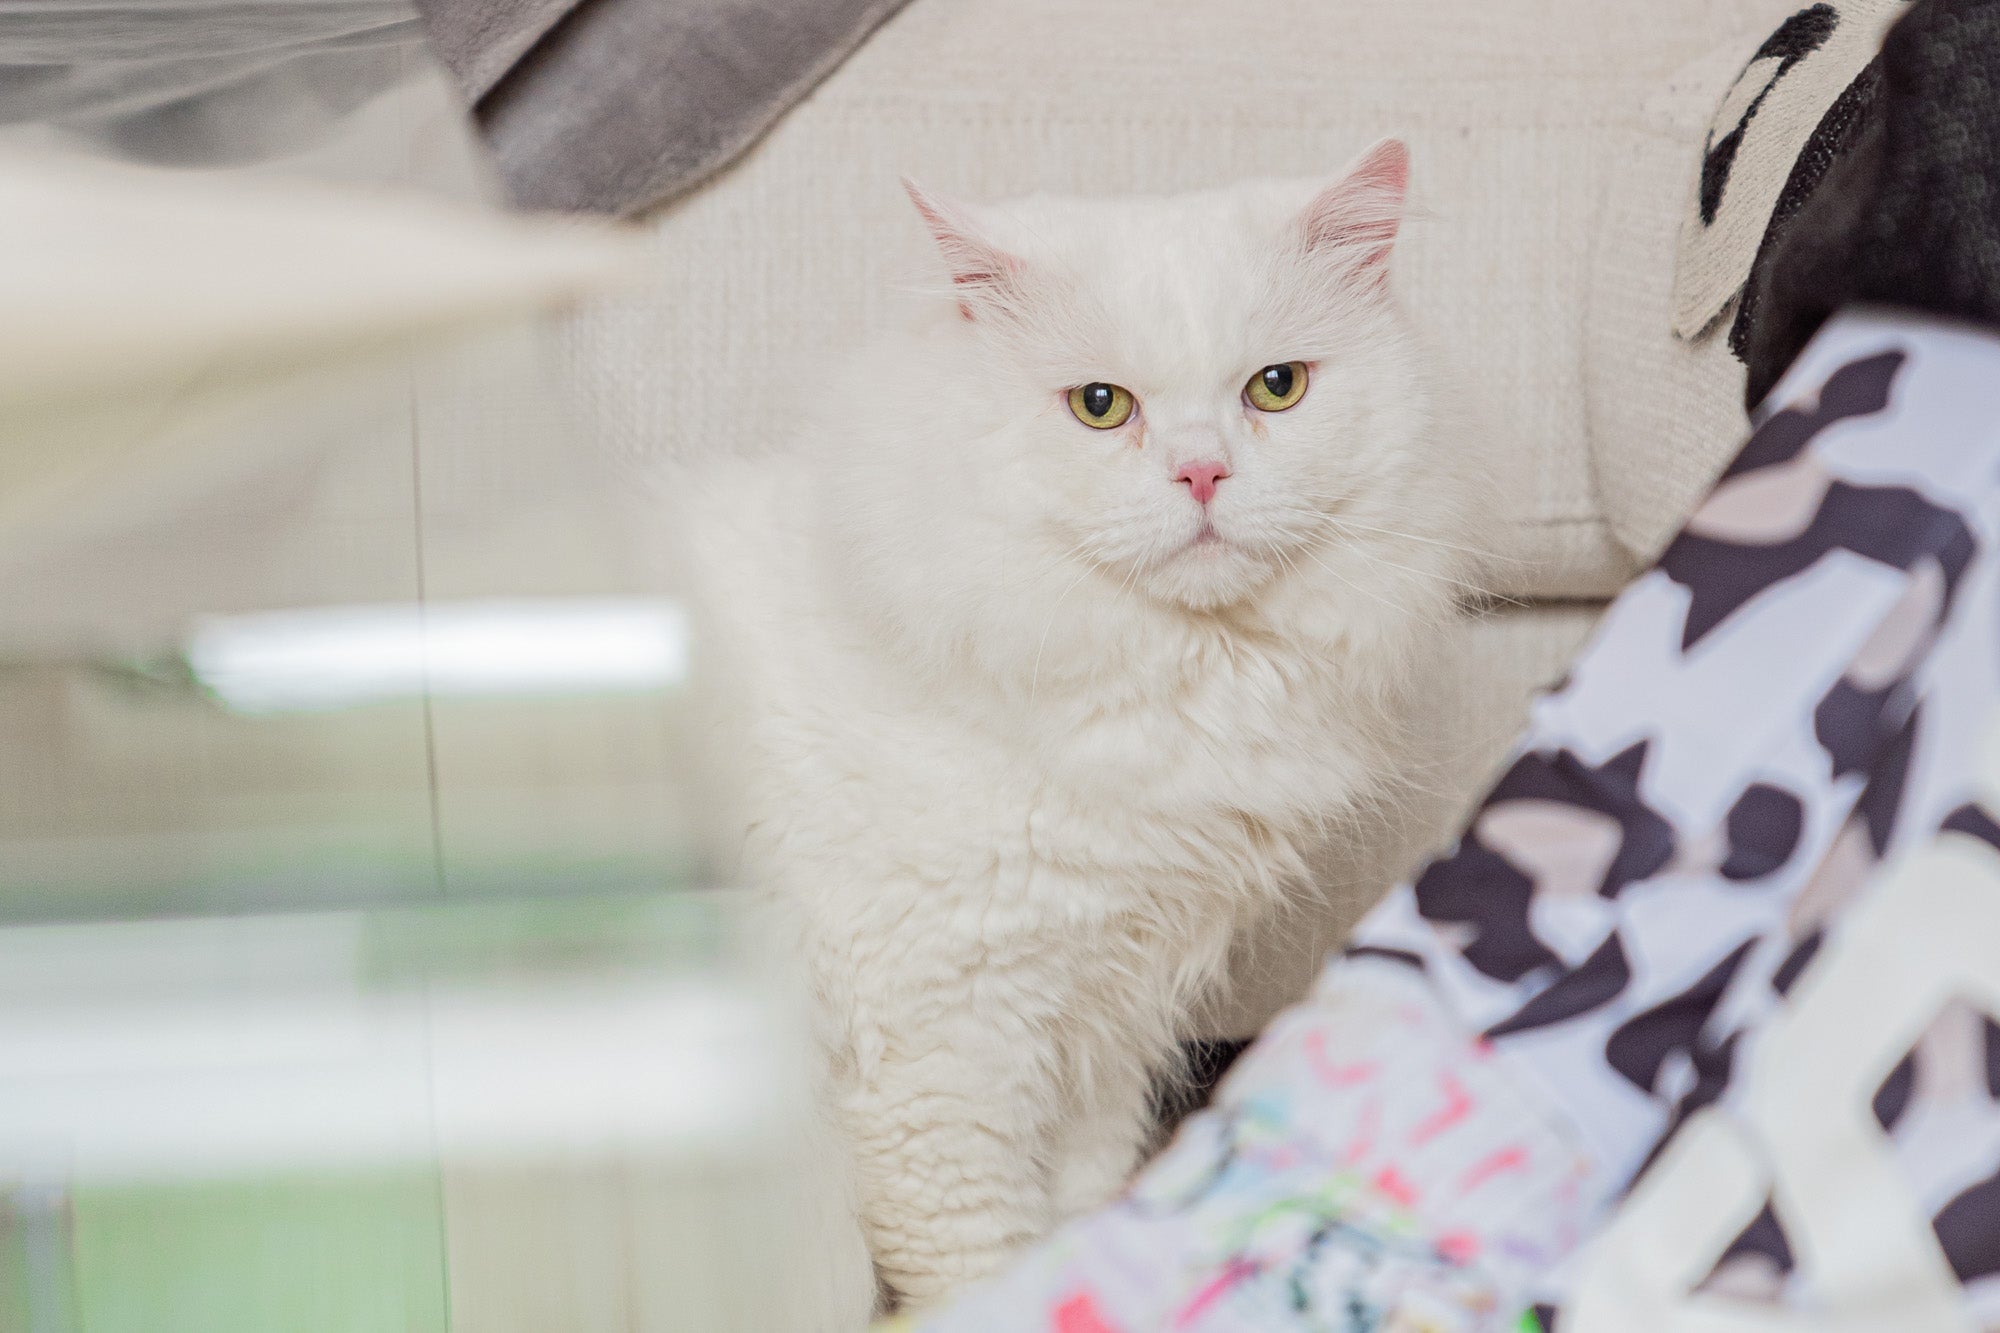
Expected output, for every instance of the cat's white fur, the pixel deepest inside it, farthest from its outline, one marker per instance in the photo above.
(1023, 755)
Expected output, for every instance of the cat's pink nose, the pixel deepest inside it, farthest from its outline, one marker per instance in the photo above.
(1201, 477)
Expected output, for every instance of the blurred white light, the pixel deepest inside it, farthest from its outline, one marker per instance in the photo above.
(337, 657)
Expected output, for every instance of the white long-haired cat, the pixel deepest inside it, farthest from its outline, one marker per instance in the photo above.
(1086, 612)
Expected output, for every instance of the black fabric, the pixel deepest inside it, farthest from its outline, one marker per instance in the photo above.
(1974, 822)
(1714, 1066)
(1764, 827)
(1833, 138)
(1796, 962)
(1595, 982)
(1990, 1034)
(1478, 889)
(1400, 956)
(1909, 214)
(1893, 1097)
(1764, 1236)
(1203, 1063)
(1968, 1230)
(1639, 1047)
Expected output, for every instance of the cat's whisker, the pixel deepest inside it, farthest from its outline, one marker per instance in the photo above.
(1306, 551)
(1089, 552)
(1478, 552)
(1035, 675)
(1427, 575)
(1150, 554)
(1330, 511)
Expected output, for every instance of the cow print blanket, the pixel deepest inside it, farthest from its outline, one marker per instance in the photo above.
(1800, 693)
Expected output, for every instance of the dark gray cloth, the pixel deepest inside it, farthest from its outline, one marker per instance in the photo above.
(1909, 215)
(613, 106)
(480, 40)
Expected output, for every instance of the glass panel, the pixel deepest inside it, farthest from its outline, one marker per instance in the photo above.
(475, 684)
(349, 974)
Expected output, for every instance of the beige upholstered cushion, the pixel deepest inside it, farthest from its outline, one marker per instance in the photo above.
(1657, 439)
(1520, 116)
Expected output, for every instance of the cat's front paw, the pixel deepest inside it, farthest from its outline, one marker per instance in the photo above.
(1087, 1180)
(921, 1281)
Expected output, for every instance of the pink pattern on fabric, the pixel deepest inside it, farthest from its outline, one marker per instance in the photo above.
(1507, 1159)
(1461, 1247)
(1237, 1270)
(1362, 1145)
(1395, 1188)
(1338, 1076)
(1458, 1103)
(1079, 1314)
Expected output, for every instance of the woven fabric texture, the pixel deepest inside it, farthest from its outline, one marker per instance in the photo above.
(1519, 117)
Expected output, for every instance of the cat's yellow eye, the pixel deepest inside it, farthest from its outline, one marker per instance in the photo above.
(1100, 406)
(1275, 388)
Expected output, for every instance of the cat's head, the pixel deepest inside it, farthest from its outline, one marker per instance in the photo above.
(1198, 384)
(1190, 399)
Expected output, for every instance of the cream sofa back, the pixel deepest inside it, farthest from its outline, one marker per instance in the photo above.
(1526, 121)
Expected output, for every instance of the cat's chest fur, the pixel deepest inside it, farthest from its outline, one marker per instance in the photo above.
(1184, 788)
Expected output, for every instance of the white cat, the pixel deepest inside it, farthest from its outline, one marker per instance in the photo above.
(1088, 610)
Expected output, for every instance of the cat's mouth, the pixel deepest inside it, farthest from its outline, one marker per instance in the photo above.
(1209, 569)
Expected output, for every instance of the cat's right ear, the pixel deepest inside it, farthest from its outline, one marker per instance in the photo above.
(1357, 217)
(980, 270)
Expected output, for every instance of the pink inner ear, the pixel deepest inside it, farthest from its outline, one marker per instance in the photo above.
(973, 261)
(1363, 210)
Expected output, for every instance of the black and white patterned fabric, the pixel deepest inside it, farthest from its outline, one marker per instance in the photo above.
(1797, 693)
(1583, 991)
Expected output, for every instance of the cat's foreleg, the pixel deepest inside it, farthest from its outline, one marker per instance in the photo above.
(950, 1123)
(1144, 1008)
(1098, 1151)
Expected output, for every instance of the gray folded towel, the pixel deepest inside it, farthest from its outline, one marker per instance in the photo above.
(613, 106)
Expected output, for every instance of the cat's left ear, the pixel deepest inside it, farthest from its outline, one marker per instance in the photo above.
(981, 272)
(1357, 217)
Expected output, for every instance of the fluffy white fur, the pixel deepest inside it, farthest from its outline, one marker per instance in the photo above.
(1024, 753)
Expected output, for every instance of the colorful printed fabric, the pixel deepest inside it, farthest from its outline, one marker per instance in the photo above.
(1348, 1171)
(1798, 691)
